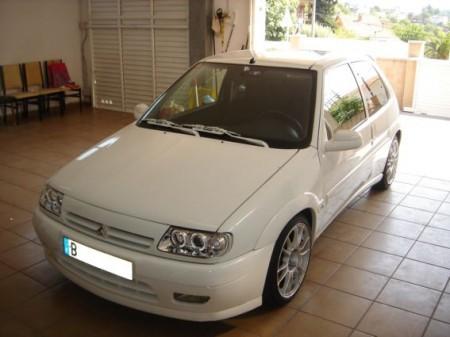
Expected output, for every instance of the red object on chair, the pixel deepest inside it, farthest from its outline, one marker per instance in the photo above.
(58, 74)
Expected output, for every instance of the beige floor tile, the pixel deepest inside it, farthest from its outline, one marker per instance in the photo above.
(443, 310)
(445, 208)
(402, 228)
(23, 256)
(359, 334)
(45, 274)
(307, 290)
(427, 253)
(320, 270)
(12, 327)
(374, 261)
(374, 206)
(13, 216)
(447, 289)
(424, 204)
(53, 305)
(347, 233)
(357, 282)
(332, 250)
(5, 271)
(409, 297)
(236, 333)
(429, 193)
(386, 321)
(437, 329)
(21, 178)
(25, 230)
(305, 325)
(436, 236)
(411, 214)
(16, 289)
(423, 274)
(19, 197)
(401, 187)
(440, 221)
(438, 184)
(337, 306)
(386, 196)
(263, 322)
(406, 178)
(388, 243)
(10, 240)
(358, 218)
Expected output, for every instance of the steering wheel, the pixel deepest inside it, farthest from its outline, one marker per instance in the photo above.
(295, 124)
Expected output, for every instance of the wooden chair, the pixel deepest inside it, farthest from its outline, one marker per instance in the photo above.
(13, 91)
(72, 90)
(34, 82)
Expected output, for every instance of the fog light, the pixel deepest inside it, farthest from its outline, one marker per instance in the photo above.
(190, 298)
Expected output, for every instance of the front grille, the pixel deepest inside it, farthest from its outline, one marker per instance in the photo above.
(109, 234)
(132, 289)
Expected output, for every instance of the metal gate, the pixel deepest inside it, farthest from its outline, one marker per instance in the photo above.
(138, 47)
(432, 93)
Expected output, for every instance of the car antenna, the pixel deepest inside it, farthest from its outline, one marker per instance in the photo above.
(252, 60)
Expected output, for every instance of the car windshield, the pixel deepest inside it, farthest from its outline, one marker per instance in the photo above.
(267, 104)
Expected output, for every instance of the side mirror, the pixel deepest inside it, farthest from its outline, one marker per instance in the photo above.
(139, 110)
(344, 140)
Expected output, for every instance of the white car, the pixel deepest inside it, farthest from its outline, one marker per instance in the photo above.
(208, 205)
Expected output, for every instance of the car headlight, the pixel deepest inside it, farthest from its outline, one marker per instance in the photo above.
(51, 200)
(195, 243)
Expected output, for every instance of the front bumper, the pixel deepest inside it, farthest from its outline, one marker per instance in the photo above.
(234, 287)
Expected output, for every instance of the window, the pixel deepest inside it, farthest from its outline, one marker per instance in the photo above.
(272, 104)
(372, 87)
(343, 105)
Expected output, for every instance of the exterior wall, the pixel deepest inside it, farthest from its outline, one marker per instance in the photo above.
(33, 30)
(402, 75)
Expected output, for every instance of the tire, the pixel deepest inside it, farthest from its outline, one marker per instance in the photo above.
(291, 255)
(390, 168)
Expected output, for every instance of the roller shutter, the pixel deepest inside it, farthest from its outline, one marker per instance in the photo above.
(139, 47)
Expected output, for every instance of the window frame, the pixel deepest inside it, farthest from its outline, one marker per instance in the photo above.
(375, 68)
(323, 111)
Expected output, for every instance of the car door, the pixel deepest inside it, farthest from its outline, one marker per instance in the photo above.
(343, 172)
(380, 107)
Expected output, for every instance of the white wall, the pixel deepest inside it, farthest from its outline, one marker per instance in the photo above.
(242, 10)
(38, 30)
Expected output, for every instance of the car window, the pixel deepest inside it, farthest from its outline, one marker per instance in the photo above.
(272, 104)
(372, 86)
(200, 89)
(343, 104)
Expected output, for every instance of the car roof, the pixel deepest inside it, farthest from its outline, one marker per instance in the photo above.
(303, 59)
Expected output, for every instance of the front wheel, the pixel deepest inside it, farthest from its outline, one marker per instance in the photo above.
(390, 168)
(289, 262)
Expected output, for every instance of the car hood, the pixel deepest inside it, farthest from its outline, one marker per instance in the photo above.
(171, 178)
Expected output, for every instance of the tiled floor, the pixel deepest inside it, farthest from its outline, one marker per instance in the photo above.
(381, 269)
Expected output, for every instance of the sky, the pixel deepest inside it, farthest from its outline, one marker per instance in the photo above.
(404, 5)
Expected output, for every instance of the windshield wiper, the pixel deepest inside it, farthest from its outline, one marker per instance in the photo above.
(171, 125)
(215, 130)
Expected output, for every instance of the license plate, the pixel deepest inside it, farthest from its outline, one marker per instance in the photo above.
(98, 259)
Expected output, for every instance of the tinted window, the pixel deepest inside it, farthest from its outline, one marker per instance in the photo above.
(268, 103)
(372, 87)
(343, 105)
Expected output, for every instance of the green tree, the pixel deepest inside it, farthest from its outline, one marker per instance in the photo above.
(407, 31)
(326, 12)
(438, 46)
(275, 10)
